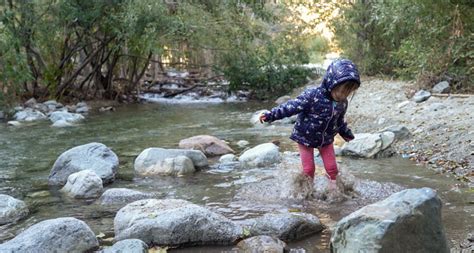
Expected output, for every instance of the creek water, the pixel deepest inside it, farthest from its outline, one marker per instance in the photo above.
(27, 154)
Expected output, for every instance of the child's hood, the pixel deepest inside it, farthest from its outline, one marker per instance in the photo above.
(339, 71)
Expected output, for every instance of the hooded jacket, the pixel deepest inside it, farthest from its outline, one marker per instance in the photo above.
(320, 117)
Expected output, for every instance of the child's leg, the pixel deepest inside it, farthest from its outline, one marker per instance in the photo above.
(307, 160)
(329, 160)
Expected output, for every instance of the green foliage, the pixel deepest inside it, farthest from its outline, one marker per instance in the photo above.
(422, 39)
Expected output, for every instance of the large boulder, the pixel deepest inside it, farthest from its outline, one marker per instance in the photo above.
(261, 155)
(175, 166)
(65, 116)
(127, 246)
(83, 184)
(209, 145)
(29, 115)
(368, 145)
(407, 221)
(174, 222)
(93, 156)
(150, 157)
(11, 209)
(55, 235)
(122, 196)
(262, 243)
(285, 226)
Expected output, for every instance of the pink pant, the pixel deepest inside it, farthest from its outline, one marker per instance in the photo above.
(328, 156)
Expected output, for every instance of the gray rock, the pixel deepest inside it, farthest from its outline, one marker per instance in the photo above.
(29, 115)
(11, 209)
(121, 196)
(262, 244)
(94, 156)
(41, 107)
(175, 166)
(127, 246)
(2, 115)
(66, 116)
(83, 184)
(227, 158)
(285, 226)
(442, 87)
(421, 95)
(261, 155)
(412, 217)
(209, 145)
(30, 102)
(242, 143)
(83, 109)
(62, 123)
(81, 104)
(152, 156)
(55, 235)
(14, 123)
(174, 222)
(401, 132)
(368, 145)
(282, 100)
(387, 139)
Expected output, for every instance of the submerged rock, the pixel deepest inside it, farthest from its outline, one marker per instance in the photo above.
(262, 243)
(176, 166)
(83, 184)
(261, 155)
(55, 235)
(209, 145)
(285, 226)
(94, 156)
(127, 246)
(174, 222)
(407, 221)
(150, 157)
(122, 196)
(11, 209)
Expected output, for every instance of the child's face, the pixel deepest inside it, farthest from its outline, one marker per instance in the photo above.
(343, 91)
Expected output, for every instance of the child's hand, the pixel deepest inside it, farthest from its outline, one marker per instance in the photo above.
(262, 118)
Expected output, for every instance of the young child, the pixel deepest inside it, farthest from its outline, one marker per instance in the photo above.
(321, 116)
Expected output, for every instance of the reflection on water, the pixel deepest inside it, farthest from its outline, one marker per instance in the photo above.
(27, 154)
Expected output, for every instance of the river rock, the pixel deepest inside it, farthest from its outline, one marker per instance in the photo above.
(368, 145)
(242, 143)
(262, 243)
(94, 156)
(31, 102)
(421, 95)
(175, 166)
(14, 123)
(11, 209)
(209, 145)
(150, 157)
(121, 196)
(83, 184)
(65, 116)
(174, 222)
(52, 105)
(261, 155)
(83, 109)
(227, 158)
(441, 87)
(407, 221)
(127, 246)
(2, 115)
(401, 132)
(61, 123)
(29, 115)
(285, 226)
(282, 100)
(55, 235)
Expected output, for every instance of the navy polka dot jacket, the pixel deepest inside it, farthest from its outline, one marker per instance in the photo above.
(320, 117)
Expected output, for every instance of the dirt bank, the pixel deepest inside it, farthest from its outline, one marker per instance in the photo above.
(442, 132)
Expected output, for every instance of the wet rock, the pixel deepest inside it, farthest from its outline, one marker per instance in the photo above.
(421, 95)
(29, 115)
(121, 196)
(65, 116)
(209, 145)
(368, 145)
(13, 123)
(11, 209)
(227, 158)
(285, 226)
(262, 243)
(151, 157)
(242, 143)
(441, 87)
(401, 132)
(55, 235)
(411, 216)
(61, 123)
(174, 222)
(176, 166)
(94, 156)
(282, 100)
(127, 246)
(261, 155)
(83, 184)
